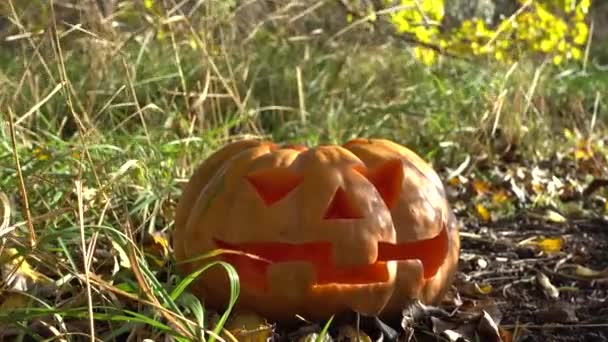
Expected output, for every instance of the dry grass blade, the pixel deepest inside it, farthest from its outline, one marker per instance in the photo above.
(6, 214)
(26, 206)
(37, 106)
(78, 184)
(169, 316)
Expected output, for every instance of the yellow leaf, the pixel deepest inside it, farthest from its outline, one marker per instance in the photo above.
(583, 150)
(500, 197)
(551, 245)
(426, 56)
(483, 212)
(162, 241)
(537, 187)
(485, 288)
(157, 248)
(555, 217)
(454, 181)
(481, 187)
(249, 328)
(589, 273)
(11, 260)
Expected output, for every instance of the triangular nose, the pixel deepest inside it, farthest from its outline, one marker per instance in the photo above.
(341, 207)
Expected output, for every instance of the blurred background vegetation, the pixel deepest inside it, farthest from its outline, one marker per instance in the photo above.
(420, 71)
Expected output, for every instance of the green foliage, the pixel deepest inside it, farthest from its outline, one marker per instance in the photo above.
(546, 28)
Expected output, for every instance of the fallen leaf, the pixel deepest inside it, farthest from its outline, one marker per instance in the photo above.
(583, 150)
(505, 335)
(590, 273)
(487, 329)
(548, 288)
(500, 197)
(483, 212)
(157, 246)
(14, 300)
(555, 217)
(249, 327)
(537, 187)
(123, 258)
(455, 181)
(18, 273)
(551, 245)
(472, 289)
(481, 187)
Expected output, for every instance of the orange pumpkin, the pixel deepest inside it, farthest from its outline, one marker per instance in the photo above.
(364, 226)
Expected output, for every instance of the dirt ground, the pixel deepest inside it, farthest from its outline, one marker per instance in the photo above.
(579, 313)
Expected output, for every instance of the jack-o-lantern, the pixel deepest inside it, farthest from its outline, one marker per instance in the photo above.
(363, 226)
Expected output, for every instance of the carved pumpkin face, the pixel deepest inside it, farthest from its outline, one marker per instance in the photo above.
(363, 226)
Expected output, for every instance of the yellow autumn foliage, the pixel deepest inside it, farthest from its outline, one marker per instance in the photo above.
(556, 29)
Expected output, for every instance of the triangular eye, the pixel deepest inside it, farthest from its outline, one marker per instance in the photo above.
(387, 178)
(340, 207)
(273, 184)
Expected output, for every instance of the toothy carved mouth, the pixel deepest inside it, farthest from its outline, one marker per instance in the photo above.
(253, 270)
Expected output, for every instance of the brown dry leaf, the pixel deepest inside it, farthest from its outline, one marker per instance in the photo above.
(551, 245)
(14, 300)
(483, 212)
(548, 288)
(487, 329)
(505, 335)
(483, 327)
(249, 327)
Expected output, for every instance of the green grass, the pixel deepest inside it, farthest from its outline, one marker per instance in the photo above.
(129, 115)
